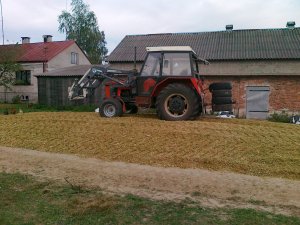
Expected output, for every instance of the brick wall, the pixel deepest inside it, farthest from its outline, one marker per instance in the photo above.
(284, 91)
(282, 76)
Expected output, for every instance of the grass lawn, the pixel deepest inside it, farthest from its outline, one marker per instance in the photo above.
(251, 147)
(28, 107)
(27, 201)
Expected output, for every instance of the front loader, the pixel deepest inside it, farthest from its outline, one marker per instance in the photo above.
(169, 81)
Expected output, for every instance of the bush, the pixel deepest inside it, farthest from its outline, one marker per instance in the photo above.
(16, 99)
(12, 111)
(282, 117)
(5, 112)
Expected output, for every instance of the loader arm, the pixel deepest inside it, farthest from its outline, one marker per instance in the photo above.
(94, 77)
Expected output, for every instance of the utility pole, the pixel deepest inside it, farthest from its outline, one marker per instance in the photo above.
(2, 23)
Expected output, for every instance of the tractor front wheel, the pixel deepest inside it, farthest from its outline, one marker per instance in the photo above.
(111, 108)
(177, 102)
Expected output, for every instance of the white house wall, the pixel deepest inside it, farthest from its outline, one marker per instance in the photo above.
(25, 90)
(63, 59)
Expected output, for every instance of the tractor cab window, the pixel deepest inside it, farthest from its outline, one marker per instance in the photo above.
(176, 64)
(152, 65)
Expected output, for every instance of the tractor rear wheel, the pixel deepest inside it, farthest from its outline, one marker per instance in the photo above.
(111, 108)
(177, 102)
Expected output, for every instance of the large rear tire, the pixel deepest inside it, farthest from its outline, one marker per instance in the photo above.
(111, 108)
(222, 100)
(221, 93)
(177, 102)
(225, 107)
(220, 86)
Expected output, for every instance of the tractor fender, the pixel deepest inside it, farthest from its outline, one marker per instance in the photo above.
(191, 82)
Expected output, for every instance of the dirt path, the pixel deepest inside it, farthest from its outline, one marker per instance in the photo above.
(211, 189)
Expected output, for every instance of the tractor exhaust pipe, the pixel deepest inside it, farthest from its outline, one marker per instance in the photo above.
(134, 63)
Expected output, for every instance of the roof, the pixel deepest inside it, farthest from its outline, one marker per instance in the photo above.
(37, 52)
(70, 71)
(221, 45)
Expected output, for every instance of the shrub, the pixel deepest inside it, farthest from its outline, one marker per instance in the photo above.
(16, 99)
(5, 111)
(12, 111)
(282, 117)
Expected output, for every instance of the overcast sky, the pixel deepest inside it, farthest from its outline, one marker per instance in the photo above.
(118, 18)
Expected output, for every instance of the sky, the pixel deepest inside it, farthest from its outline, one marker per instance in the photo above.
(118, 18)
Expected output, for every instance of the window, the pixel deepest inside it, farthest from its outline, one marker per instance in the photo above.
(152, 65)
(23, 77)
(74, 58)
(176, 64)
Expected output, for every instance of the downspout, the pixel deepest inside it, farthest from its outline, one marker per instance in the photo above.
(45, 65)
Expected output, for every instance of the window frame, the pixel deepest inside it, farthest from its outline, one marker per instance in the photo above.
(74, 58)
(159, 65)
(189, 64)
(23, 77)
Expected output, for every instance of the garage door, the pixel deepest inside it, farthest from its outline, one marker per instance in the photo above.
(257, 102)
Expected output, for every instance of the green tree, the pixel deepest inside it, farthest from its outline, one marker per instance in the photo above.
(81, 25)
(9, 65)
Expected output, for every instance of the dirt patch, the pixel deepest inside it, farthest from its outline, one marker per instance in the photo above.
(209, 188)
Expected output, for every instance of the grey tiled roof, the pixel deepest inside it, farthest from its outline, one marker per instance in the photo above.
(221, 45)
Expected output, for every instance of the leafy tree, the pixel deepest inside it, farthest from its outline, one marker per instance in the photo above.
(81, 25)
(9, 65)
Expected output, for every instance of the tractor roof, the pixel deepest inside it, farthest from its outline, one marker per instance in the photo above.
(170, 49)
(175, 49)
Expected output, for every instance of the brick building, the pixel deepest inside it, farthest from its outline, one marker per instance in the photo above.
(263, 65)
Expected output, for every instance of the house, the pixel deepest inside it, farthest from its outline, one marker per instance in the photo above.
(36, 58)
(263, 65)
(53, 86)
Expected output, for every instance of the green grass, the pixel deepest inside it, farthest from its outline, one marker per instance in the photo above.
(28, 107)
(27, 201)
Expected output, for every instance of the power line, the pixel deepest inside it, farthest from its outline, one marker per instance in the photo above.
(2, 22)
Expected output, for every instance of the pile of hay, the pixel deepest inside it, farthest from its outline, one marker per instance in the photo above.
(245, 146)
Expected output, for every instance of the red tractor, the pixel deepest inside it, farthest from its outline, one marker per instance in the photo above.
(169, 81)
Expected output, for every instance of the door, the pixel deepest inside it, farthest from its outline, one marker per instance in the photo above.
(149, 75)
(257, 102)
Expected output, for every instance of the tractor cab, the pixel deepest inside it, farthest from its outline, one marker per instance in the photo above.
(162, 66)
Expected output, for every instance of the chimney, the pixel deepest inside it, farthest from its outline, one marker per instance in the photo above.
(229, 27)
(47, 38)
(25, 40)
(290, 24)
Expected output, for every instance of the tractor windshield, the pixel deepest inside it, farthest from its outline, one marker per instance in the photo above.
(176, 64)
(152, 65)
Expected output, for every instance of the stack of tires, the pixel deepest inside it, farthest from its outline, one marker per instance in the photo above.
(221, 96)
